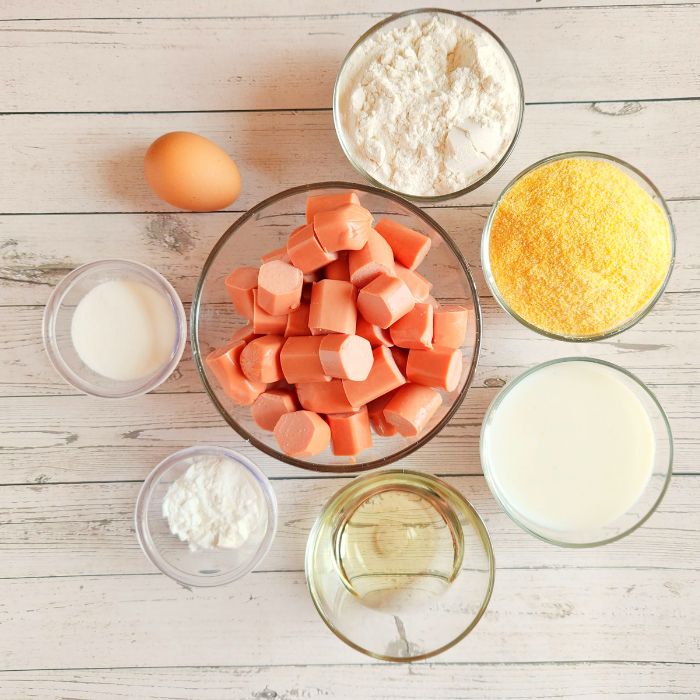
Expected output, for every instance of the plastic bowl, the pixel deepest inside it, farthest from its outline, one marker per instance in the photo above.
(349, 66)
(267, 226)
(638, 513)
(399, 565)
(641, 179)
(203, 567)
(58, 315)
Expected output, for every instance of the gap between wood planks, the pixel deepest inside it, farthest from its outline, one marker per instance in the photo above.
(327, 109)
(477, 7)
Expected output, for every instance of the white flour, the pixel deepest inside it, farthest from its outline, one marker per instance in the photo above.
(215, 503)
(430, 107)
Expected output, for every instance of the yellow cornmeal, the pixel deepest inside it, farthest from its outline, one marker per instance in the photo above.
(577, 247)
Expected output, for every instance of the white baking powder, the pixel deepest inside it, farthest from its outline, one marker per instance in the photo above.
(430, 107)
(214, 504)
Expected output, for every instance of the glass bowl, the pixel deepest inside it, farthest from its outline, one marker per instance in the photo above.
(266, 227)
(641, 179)
(58, 315)
(647, 501)
(203, 567)
(399, 565)
(350, 64)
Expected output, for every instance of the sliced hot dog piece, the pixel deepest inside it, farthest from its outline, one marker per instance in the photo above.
(385, 300)
(279, 287)
(411, 408)
(439, 367)
(264, 323)
(240, 285)
(324, 397)
(450, 326)
(338, 269)
(419, 286)
(305, 252)
(400, 357)
(346, 356)
(300, 359)
(333, 307)
(225, 365)
(375, 334)
(298, 321)
(376, 415)
(276, 254)
(245, 334)
(409, 246)
(324, 202)
(271, 405)
(374, 259)
(302, 434)
(260, 359)
(415, 329)
(383, 377)
(344, 228)
(350, 432)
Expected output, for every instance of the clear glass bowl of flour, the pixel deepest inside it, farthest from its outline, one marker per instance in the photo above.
(114, 328)
(425, 143)
(250, 497)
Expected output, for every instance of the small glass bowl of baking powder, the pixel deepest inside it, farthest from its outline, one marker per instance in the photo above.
(250, 498)
(114, 328)
(428, 104)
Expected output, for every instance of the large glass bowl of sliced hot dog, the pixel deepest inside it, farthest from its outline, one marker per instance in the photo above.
(336, 327)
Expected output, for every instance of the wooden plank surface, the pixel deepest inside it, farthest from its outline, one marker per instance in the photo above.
(110, 445)
(303, 53)
(93, 163)
(82, 612)
(57, 528)
(36, 251)
(454, 681)
(136, 9)
(112, 621)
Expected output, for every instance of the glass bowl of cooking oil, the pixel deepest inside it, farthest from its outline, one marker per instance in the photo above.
(399, 565)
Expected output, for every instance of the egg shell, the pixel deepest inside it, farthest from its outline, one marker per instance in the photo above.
(191, 172)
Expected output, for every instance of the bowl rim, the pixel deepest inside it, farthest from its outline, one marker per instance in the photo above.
(478, 522)
(336, 98)
(488, 472)
(145, 494)
(55, 301)
(588, 155)
(359, 466)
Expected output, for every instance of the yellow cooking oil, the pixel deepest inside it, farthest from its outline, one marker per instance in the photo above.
(398, 545)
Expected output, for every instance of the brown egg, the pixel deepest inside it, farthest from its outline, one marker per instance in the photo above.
(191, 172)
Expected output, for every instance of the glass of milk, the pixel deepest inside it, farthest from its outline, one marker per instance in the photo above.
(577, 451)
(114, 328)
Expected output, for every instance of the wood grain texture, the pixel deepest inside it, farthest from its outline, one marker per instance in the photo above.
(94, 163)
(56, 529)
(110, 9)
(112, 621)
(36, 251)
(454, 681)
(81, 438)
(76, 594)
(202, 64)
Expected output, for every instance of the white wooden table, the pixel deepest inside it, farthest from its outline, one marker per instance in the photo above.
(86, 86)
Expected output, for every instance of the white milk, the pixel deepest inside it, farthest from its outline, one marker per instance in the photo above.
(124, 330)
(570, 447)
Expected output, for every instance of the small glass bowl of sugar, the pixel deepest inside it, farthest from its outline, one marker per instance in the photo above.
(206, 516)
(114, 328)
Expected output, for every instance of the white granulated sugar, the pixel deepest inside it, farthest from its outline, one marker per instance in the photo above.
(430, 107)
(214, 504)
